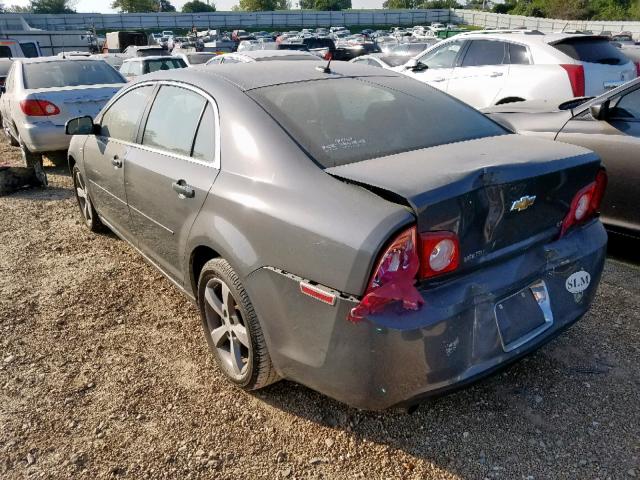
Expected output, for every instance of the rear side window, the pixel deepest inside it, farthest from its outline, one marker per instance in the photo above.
(121, 120)
(591, 50)
(5, 52)
(173, 120)
(69, 73)
(29, 49)
(341, 121)
(484, 52)
(518, 54)
(204, 145)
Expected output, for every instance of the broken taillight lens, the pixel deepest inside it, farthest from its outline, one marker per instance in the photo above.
(393, 278)
(586, 203)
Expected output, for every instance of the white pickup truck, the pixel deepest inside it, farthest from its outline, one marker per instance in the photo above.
(10, 49)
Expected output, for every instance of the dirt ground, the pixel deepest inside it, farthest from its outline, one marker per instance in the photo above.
(105, 373)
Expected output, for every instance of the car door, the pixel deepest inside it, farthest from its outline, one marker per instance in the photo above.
(169, 176)
(440, 62)
(481, 73)
(617, 140)
(105, 156)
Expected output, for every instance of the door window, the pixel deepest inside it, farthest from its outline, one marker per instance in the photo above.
(205, 144)
(443, 57)
(121, 120)
(230, 60)
(29, 49)
(173, 120)
(628, 107)
(484, 52)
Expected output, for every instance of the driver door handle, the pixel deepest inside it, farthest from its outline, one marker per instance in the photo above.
(184, 190)
(439, 79)
(116, 161)
(496, 74)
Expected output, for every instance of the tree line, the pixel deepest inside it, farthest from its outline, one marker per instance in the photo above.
(564, 9)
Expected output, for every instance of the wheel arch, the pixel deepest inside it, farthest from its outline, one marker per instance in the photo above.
(200, 255)
(511, 99)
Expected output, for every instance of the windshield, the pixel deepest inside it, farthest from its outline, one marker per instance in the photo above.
(341, 121)
(69, 73)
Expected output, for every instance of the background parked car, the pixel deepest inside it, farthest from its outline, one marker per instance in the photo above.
(484, 69)
(12, 49)
(132, 67)
(195, 58)
(609, 125)
(380, 60)
(41, 94)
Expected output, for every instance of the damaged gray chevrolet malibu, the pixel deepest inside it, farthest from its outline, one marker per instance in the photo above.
(348, 228)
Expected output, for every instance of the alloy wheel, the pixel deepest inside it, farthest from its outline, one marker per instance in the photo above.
(83, 198)
(228, 331)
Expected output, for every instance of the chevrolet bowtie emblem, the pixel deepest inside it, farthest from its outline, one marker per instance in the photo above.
(523, 203)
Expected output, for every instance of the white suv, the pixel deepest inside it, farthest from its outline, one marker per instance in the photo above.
(493, 67)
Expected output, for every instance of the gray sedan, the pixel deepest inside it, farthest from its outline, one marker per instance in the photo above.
(375, 265)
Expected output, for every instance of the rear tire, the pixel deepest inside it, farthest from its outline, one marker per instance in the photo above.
(232, 329)
(34, 160)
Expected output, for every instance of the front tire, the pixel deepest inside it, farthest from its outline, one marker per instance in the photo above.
(232, 329)
(89, 214)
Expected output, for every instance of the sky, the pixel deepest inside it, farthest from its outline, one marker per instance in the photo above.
(103, 6)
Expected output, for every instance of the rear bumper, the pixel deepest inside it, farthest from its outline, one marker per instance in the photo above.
(390, 358)
(43, 136)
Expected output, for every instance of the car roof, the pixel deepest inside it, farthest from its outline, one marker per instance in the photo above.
(523, 36)
(253, 75)
(271, 53)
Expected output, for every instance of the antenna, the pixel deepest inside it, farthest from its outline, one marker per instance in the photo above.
(326, 68)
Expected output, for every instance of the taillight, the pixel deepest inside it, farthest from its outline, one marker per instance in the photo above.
(393, 278)
(409, 256)
(39, 108)
(585, 203)
(440, 253)
(576, 78)
(327, 56)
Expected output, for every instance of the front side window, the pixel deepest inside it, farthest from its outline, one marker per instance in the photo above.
(628, 107)
(442, 57)
(173, 120)
(120, 122)
(341, 121)
(29, 49)
(484, 52)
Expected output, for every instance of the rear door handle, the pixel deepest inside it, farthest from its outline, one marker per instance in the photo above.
(116, 161)
(184, 190)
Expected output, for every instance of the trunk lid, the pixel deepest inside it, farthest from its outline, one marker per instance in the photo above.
(75, 101)
(497, 194)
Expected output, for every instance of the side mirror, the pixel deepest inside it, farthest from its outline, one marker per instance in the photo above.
(80, 126)
(599, 111)
(415, 66)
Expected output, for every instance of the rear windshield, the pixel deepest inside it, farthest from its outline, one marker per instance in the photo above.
(69, 73)
(341, 121)
(592, 50)
(164, 64)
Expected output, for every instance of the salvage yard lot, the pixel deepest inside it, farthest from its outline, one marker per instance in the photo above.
(104, 373)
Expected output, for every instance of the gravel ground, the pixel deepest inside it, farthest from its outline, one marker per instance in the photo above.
(104, 373)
